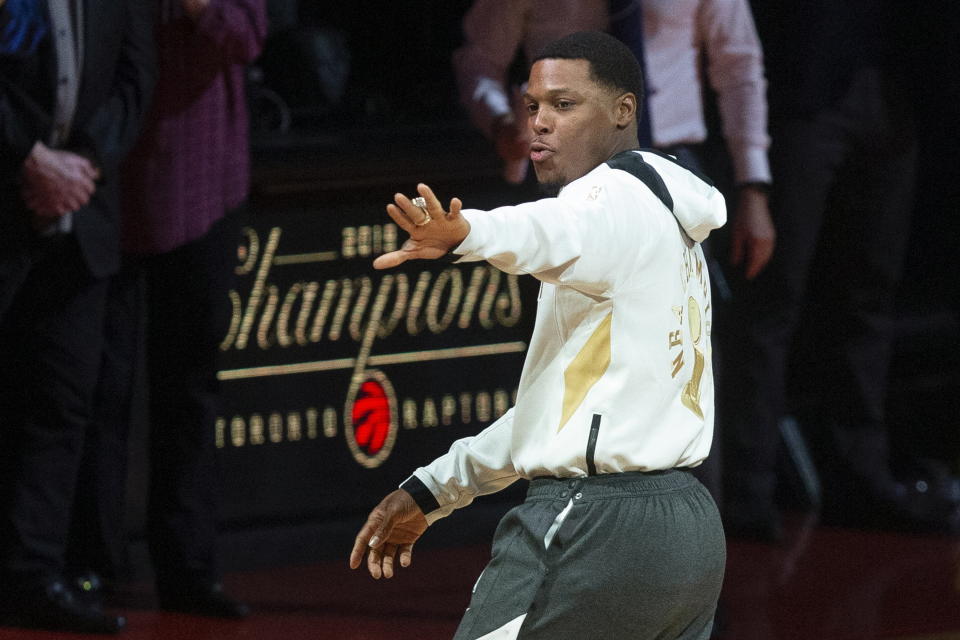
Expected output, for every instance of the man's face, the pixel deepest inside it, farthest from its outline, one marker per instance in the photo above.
(573, 121)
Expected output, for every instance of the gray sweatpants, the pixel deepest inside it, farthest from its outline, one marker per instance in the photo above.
(617, 556)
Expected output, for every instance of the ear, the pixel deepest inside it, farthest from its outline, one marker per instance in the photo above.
(626, 113)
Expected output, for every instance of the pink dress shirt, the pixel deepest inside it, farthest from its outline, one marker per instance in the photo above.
(676, 32)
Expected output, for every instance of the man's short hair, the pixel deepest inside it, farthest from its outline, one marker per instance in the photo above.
(612, 64)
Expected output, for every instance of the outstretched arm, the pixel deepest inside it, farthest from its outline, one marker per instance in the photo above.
(570, 239)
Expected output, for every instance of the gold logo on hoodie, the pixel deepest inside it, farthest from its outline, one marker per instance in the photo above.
(691, 392)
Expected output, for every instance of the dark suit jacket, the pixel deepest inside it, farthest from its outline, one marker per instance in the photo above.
(116, 83)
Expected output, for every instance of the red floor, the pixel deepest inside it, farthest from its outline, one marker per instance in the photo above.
(822, 584)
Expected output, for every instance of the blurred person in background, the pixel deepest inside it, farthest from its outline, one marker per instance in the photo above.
(183, 188)
(75, 81)
(844, 159)
(672, 39)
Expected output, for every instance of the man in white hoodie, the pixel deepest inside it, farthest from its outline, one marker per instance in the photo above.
(616, 538)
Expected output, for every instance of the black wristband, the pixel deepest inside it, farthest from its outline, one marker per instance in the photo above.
(420, 494)
(450, 258)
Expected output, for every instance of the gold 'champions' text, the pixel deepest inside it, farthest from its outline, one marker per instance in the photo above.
(306, 312)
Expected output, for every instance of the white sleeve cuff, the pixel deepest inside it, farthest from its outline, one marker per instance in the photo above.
(750, 164)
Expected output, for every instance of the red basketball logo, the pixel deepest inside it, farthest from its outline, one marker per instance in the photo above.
(371, 417)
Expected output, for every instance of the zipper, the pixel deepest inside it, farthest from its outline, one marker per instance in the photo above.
(592, 444)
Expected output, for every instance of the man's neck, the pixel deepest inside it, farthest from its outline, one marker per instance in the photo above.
(627, 143)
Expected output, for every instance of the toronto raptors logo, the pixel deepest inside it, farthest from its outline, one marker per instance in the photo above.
(370, 419)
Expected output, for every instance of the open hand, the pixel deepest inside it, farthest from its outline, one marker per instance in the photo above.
(431, 236)
(393, 526)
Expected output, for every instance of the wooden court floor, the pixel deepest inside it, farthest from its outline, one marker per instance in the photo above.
(821, 584)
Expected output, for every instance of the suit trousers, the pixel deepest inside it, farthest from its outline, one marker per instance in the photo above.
(50, 340)
(843, 182)
(173, 309)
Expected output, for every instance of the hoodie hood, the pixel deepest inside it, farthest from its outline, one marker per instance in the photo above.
(698, 206)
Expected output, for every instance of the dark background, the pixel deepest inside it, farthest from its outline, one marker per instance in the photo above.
(354, 101)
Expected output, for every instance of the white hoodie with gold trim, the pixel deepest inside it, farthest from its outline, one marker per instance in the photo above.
(618, 374)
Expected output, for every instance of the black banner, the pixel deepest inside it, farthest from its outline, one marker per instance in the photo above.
(340, 379)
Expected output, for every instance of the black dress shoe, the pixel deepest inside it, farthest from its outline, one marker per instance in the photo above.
(53, 606)
(206, 599)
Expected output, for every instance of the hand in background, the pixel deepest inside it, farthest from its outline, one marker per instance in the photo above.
(57, 182)
(753, 235)
(430, 241)
(393, 526)
(512, 140)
